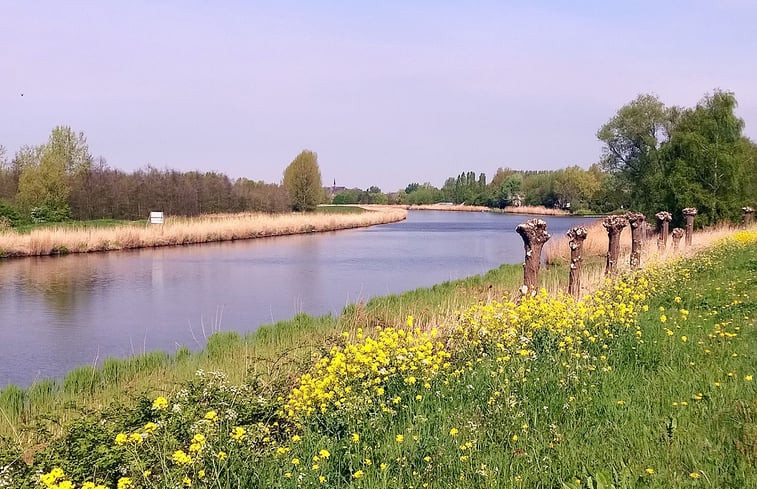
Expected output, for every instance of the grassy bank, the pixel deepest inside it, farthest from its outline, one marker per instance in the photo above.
(648, 382)
(272, 353)
(92, 224)
(71, 238)
(340, 209)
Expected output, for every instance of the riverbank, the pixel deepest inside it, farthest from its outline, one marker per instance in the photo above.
(274, 352)
(182, 231)
(648, 382)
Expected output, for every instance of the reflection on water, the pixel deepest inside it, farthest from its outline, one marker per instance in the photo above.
(57, 313)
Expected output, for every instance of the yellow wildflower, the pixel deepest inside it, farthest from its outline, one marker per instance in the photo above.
(160, 403)
(125, 483)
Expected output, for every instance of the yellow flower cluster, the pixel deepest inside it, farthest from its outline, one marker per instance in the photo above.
(511, 328)
(352, 376)
(56, 479)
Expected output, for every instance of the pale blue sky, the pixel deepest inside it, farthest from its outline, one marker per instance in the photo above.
(385, 92)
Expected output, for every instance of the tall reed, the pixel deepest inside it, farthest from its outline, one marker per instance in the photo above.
(180, 231)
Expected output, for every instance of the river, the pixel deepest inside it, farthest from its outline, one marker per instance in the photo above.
(57, 313)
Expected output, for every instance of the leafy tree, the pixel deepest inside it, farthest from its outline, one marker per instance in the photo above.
(708, 163)
(71, 147)
(503, 189)
(348, 196)
(425, 194)
(45, 187)
(575, 186)
(302, 179)
(632, 139)
(8, 177)
(412, 188)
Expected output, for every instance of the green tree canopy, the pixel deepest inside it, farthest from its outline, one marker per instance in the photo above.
(669, 158)
(46, 172)
(302, 179)
(708, 163)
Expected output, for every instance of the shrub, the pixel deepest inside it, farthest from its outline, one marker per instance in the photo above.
(9, 216)
(45, 213)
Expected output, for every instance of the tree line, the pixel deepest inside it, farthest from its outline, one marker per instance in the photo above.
(572, 187)
(60, 180)
(654, 158)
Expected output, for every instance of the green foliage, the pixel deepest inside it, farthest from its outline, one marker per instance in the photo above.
(425, 194)
(412, 188)
(9, 213)
(302, 179)
(45, 213)
(357, 196)
(12, 401)
(339, 209)
(708, 162)
(466, 189)
(670, 158)
(46, 171)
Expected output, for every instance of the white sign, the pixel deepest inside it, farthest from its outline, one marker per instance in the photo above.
(156, 218)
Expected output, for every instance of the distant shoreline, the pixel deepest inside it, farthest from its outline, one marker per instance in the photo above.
(524, 209)
(183, 231)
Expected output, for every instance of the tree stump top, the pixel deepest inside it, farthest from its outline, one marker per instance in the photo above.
(677, 232)
(614, 223)
(534, 231)
(747, 210)
(690, 211)
(635, 219)
(578, 232)
(664, 216)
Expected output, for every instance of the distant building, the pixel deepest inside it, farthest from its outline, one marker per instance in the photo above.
(333, 190)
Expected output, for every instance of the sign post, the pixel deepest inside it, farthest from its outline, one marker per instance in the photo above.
(156, 218)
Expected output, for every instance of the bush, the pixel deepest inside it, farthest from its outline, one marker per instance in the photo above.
(45, 213)
(8, 215)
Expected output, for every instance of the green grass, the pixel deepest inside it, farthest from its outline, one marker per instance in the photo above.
(686, 410)
(339, 209)
(96, 223)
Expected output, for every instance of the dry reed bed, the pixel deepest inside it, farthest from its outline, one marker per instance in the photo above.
(447, 207)
(534, 209)
(524, 209)
(557, 249)
(180, 231)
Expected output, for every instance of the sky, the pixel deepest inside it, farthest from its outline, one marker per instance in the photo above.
(387, 93)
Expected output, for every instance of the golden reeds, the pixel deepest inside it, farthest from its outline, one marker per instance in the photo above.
(179, 231)
(448, 207)
(558, 251)
(524, 209)
(535, 209)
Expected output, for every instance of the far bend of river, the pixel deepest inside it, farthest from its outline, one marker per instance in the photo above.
(57, 313)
